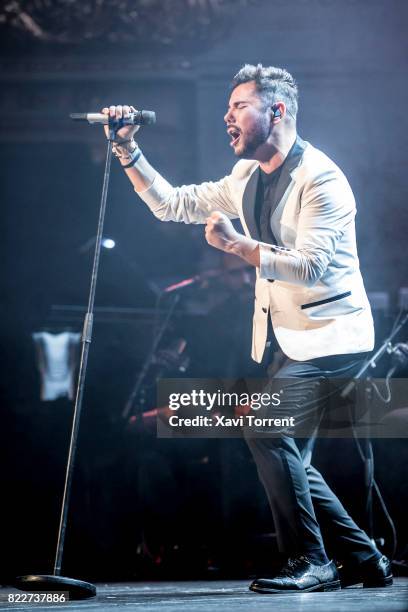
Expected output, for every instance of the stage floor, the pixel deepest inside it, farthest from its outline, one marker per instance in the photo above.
(227, 595)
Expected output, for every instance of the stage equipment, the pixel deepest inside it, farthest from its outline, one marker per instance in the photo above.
(193, 280)
(365, 448)
(379, 301)
(77, 589)
(403, 298)
(153, 357)
(149, 359)
(205, 277)
(56, 361)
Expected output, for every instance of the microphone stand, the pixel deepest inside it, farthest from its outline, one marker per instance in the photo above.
(366, 448)
(76, 589)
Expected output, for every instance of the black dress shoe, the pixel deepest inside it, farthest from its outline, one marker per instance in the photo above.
(372, 573)
(299, 575)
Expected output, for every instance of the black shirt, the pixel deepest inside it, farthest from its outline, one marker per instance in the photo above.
(267, 187)
(267, 191)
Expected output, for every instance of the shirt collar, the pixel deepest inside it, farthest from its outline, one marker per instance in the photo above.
(290, 162)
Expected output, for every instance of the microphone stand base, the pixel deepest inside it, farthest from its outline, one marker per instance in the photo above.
(76, 589)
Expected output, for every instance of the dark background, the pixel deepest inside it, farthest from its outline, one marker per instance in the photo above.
(142, 506)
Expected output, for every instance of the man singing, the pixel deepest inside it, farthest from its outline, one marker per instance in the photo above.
(297, 211)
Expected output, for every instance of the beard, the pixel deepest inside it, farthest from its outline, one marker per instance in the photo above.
(252, 139)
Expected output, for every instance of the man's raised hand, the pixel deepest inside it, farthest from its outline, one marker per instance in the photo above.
(127, 132)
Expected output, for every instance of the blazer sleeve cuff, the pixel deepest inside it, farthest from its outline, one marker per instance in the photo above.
(267, 262)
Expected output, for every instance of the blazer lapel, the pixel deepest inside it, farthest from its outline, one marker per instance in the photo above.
(249, 204)
(285, 182)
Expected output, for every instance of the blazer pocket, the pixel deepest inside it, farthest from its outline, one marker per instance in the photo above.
(326, 301)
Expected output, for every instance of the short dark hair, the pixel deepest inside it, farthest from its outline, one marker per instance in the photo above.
(273, 84)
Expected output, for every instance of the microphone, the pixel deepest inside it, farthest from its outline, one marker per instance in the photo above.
(142, 117)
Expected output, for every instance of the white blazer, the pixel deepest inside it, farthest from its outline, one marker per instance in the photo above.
(310, 281)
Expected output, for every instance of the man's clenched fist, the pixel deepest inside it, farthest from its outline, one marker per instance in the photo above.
(219, 232)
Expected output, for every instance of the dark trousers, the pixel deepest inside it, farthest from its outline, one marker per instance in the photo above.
(295, 489)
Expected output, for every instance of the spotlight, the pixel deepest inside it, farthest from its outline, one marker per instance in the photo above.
(108, 243)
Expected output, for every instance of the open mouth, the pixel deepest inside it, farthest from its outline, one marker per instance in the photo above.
(235, 134)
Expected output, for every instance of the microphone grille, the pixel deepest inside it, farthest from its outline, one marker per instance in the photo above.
(148, 117)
